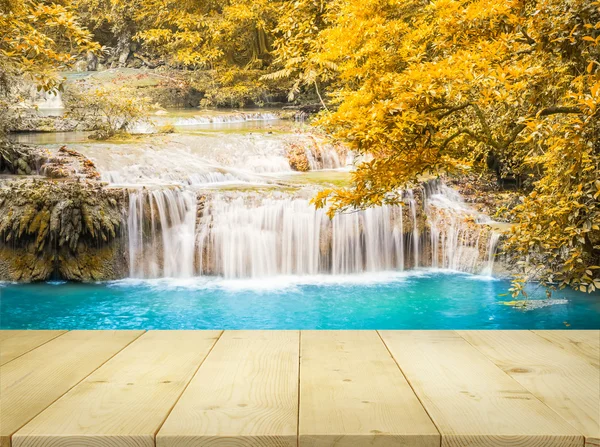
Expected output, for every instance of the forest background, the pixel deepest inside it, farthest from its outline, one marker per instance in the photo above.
(508, 88)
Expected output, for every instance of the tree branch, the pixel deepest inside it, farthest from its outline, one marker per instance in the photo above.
(485, 126)
(450, 109)
(554, 110)
(455, 135)
(319, 95)
(514, 134)
(480, 116)
(557, 109)
(501, 145)
(530, 40)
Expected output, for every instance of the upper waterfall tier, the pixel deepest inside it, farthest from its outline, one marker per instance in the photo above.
(207, 159)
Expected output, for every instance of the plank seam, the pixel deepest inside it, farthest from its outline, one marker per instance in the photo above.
(411, 386)
(299, 375)
(534, 332)
(583, 357)
(35, 347)
(583, 437)
(186, 387)
(63, 394)
(551, 342)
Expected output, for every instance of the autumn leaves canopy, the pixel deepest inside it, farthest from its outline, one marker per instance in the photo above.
(438, 87)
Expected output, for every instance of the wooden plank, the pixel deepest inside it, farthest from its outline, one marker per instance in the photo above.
(562, 380)
(352, 394)
(583, 343)
(472, 401)
(245, 394)
(124, 402)
(14, 344)
(33, 381)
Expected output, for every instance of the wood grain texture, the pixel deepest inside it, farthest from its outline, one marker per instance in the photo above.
(472, 401)
(245, 394)
(14, 344)
(353, 394)
(124, 402)
(564, 381)
(30, 383)
(509, 388)
(583, 343)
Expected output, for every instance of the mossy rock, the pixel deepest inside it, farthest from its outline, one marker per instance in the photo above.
(70, 228)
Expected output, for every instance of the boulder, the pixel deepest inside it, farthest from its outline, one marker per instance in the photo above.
(67, 229)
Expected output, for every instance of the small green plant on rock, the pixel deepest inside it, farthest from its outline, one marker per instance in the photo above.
(109, 110)
(166, 128)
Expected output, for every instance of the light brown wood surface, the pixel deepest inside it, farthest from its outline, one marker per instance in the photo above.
(14, 344)
(245, 394)
(353, 394)
(564, 381)
(30, 383)
(471, 401)
(305, 388)
(583, 343)
(125, 401)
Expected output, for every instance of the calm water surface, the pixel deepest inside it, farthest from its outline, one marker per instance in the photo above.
(425, 299)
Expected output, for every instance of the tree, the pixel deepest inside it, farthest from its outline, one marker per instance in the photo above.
(225, 45)
(452, 85)
(109, 110)
(298, 47)
(37, 38)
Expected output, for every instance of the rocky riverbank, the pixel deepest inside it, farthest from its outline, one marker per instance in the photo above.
(59, 220)
(65, 224)
(60, 229)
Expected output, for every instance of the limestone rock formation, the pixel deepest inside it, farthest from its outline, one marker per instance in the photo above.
(67, 227)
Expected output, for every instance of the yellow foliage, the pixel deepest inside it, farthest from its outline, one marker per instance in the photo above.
(417, 87)
(449, 85)
(111, 110)
(37, 38)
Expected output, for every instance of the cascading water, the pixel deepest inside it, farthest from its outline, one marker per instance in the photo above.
(196, 208)
(238, 117)
(456, 231)
(249, 236)
(491, 253)
(161, 228)
(327, 159)
(51, 101)
(181, 159)
(412, 203)
(287, 236)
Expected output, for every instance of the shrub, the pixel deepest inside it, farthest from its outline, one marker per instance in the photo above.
(109, 110)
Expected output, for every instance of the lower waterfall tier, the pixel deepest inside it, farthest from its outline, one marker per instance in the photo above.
(177, 233)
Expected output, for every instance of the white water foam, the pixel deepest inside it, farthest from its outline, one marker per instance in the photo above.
(51, 101)
(236, 117)
(284, 282)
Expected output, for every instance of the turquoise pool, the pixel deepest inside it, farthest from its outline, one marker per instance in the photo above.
(425, 299)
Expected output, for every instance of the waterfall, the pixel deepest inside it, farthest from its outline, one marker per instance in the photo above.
(150, 126)
(51, 101)
(161, 228)
(455, 230)
(195, 179)
(230, 203)
(410, 198)
(491, 253)
(326, 158)
(174, 233)
(226, 118)
(264, 237)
